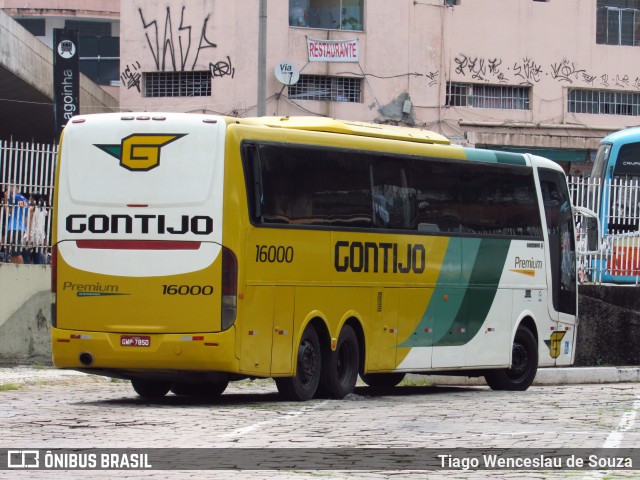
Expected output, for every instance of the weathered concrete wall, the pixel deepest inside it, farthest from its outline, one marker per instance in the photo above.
(25, 313)
(609, 328)
(608, 333)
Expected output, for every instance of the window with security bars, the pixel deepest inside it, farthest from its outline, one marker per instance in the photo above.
(324, 88)
(603, 102)
(618, 22)
(488, 96)
(177, 84)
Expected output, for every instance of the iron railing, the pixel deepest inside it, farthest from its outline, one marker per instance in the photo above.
(26, 228)
(617, 202)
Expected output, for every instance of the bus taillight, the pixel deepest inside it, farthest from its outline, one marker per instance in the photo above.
(54, 281)
(229, 288)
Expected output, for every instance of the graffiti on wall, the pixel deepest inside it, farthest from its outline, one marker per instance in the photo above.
(479, 68)
(171, 50)
(222, 68)
(130, 76)
(528, 72)
(432, 77)
(176, 45)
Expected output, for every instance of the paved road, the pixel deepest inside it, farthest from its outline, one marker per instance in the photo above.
(77, 411)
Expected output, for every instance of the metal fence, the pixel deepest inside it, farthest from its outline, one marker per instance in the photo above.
(26, 182)
(619, 201)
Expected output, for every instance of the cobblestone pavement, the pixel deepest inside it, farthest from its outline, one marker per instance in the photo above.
(56, 409)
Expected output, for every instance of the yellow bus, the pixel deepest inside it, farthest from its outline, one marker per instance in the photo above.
(193, 250)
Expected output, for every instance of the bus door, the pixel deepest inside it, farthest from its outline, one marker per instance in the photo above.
(562, 255)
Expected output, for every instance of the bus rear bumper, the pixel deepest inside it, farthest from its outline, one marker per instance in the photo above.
(159, 351)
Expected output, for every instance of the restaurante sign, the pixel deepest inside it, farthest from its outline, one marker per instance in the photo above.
(332, 50)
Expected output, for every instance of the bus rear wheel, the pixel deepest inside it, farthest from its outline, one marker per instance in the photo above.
(200, 389)
(382, 380)
(340, 367)
(304, 384)
(150, 388)
(524, 364)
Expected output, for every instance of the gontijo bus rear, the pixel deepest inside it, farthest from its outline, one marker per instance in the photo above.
(192, 250)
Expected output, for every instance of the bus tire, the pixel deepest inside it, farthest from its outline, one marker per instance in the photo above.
(340, 367)
(200, 389)
(150, 388)
(524, 364)
(304, 384)
(382, 380)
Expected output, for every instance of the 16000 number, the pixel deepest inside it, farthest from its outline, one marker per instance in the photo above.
(187, 289)
(274, 254)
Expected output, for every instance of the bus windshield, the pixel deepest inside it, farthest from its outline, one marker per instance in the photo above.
(602, 158)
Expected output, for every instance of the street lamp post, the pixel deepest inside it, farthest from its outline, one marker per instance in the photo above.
(262, 59)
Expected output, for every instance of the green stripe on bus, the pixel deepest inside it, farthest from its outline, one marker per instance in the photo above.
(449, 293)
(478, 299)
(510, 158)
(492, 156)
(460, 303)
(486, 156)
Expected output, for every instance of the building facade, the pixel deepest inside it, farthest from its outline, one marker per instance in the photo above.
(98, 26)
(550, 77)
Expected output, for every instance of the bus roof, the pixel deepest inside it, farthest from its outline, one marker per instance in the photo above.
(542, 162)
(623, 136)
(331, 125)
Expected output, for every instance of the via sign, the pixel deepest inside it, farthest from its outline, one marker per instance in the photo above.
(287, 73)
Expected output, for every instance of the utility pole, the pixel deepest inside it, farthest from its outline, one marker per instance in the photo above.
(262, 59)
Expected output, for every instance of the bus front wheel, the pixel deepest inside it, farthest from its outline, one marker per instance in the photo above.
(150, 388)
(524, 364)
(308, 369)
(340, 367)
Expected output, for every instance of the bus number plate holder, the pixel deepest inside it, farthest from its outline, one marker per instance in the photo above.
(135, 340)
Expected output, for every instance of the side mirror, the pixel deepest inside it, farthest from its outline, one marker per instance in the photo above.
(591, 229)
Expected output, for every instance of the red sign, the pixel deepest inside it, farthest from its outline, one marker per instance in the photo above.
(332, 50)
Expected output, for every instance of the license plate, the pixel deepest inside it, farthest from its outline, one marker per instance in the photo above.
(135, 341)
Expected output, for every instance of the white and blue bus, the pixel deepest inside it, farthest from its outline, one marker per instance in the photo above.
(616, 171)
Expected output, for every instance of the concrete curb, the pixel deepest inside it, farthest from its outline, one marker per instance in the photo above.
(545, 376)
(552, 376)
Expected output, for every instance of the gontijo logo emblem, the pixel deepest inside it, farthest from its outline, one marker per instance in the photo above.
(140, 152)
(555, 343)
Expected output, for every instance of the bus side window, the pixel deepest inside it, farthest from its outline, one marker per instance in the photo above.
(347, 193)
(437, 192)
(394, 198)
(314, 186)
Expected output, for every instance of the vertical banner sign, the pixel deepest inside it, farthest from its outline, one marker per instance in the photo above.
(66, 77)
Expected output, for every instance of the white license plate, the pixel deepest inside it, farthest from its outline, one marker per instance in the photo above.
(135, 341)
